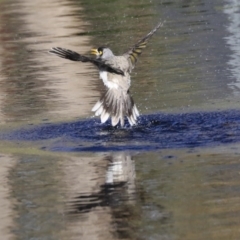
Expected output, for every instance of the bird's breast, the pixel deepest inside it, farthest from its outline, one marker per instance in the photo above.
(109, 82)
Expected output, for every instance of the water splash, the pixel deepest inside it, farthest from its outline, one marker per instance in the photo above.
(156, 131)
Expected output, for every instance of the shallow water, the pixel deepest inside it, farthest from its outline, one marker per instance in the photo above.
(173, 176)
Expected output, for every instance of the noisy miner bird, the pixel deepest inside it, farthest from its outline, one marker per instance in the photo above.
(114, 71)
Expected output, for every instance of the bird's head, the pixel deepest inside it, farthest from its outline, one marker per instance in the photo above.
(102, 52)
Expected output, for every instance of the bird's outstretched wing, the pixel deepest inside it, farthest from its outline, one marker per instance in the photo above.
(74, 56)
(134, 52)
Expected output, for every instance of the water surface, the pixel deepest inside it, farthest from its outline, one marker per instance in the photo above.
(173, 176)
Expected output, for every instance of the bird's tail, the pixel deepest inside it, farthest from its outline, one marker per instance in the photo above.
(116, 104)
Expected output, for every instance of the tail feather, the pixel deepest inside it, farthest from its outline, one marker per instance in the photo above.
(135, 112)
(104, 116)
(114, 121)
(116, 104)
(97, 106)
(99, 111)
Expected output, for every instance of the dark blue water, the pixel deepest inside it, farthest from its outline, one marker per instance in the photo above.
(153, 132)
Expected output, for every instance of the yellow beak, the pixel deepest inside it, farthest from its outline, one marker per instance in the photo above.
(94, 51)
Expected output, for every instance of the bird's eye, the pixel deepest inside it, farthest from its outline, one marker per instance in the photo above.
(100, 52)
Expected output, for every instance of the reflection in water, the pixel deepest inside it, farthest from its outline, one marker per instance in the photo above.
(38, 202)
(172, 194)
(18, 78)
(114, 199)
(7, 203)
(199, 190)
(232, 9)
(118, 187)
(33, 84)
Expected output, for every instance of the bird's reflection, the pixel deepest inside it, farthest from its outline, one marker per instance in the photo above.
(119, 186)
(112, 206)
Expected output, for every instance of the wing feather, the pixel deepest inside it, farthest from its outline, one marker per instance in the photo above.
(134, 52)
(74, 56)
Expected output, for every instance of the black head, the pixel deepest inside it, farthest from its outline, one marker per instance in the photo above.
(100, 50)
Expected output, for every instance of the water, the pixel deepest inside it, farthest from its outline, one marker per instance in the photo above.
(173, 176)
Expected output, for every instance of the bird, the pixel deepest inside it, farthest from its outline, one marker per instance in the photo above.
(116, 102)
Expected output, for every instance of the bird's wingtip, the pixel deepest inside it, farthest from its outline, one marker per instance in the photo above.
(160, 24)
(52, 50)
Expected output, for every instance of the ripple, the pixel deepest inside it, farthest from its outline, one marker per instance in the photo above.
(156, 131)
